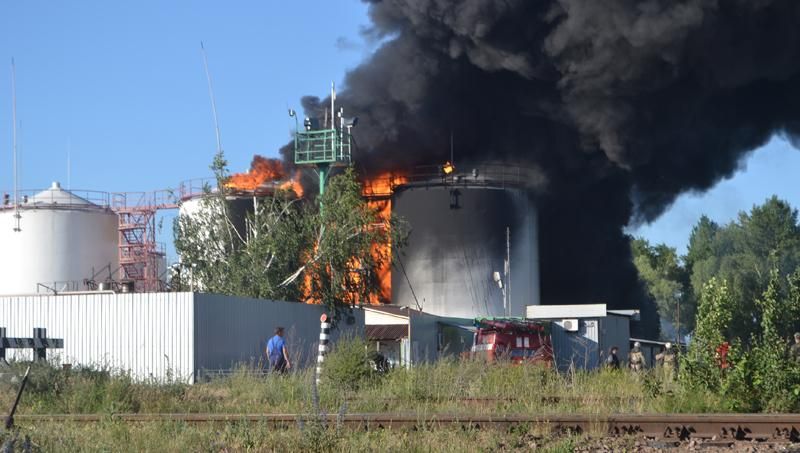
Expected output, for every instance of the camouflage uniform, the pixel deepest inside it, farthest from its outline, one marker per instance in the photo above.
(666, 359)
(636, 358)
(795, 351)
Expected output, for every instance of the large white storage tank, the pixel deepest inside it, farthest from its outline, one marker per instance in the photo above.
(62, 240)
(462, 229)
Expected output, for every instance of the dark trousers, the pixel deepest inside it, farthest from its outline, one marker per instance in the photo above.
(278, 366)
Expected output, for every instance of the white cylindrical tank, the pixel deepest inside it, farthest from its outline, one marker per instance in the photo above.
(62, 240)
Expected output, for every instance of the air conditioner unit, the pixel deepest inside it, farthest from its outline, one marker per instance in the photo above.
(570, 325)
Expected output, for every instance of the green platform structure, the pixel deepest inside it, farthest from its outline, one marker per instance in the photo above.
(323, 147)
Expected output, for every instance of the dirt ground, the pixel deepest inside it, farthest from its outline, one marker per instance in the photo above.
(709, 445)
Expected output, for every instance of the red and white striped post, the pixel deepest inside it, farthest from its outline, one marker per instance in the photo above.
(324, 338)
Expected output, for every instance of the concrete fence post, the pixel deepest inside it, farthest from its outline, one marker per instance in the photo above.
(324, 338)
(39, 344)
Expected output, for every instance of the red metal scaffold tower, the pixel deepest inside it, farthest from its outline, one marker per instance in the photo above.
(139, 253)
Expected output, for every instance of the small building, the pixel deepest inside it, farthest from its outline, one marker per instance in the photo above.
(178, 335)
(583, 334)
(407, 337)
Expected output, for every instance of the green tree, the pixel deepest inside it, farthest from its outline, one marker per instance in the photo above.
(220, 255)
(667, 282)
(714, 314)
(288, 249)
(701, 242)
(761, 376)
(743, 253)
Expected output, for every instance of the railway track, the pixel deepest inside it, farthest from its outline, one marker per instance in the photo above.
(488, 400)
(677, 427)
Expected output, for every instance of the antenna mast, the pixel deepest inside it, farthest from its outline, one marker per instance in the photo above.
(69, 163)
(508, 271)
(211, 94)
(452, 158)
(333, 101)
(14, 143)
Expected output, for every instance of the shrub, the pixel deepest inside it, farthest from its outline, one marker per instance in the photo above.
(348, 366)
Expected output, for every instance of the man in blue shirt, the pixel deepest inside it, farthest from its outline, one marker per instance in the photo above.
(276, 352)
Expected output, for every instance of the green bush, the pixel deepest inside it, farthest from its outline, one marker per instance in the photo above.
(348, 366)
(760, 376)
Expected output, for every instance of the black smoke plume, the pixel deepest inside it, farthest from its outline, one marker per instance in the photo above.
(622, 105)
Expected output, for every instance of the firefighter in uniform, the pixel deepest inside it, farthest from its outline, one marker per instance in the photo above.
(666, 359)
(636, 358)
(796, 348)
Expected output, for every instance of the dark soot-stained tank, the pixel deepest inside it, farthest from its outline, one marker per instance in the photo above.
(457, 241)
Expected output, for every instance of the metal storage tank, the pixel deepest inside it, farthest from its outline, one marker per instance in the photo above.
(196, 199)
(458, 240)
(238, 206)
(241, 203)
(63, 239)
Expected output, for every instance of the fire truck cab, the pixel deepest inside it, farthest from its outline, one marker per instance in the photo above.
(518, 340)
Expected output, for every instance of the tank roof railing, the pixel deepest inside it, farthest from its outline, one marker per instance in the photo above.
(41, 198)
(199, 187)
(56, 287)
(196, 187)
(496, 176)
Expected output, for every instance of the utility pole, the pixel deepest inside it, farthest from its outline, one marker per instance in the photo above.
(508, 271)
(678, 320)
(17, 216)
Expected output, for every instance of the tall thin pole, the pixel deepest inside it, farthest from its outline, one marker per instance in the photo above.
(508, 270)
(14, 143)
(211, 94)
(69, 164)
(678, 307)
(333, 102)
(452, 157)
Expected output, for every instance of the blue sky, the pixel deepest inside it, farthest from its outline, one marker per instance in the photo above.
(121, 86)
(770, 170)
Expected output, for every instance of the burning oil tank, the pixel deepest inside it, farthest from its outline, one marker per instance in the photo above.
(243, 191)
(199, 199)
(472, 248)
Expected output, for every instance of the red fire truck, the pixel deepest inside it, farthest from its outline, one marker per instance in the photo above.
(518, 340)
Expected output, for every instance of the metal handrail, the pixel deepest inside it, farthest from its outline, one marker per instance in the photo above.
(58, 286)
(40, 198)
(322, 146)
(487, 175)
(195, 187)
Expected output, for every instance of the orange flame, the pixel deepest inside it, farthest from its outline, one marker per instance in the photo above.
(293, 184)
(378, 191)
(262, 170)
(448, 168)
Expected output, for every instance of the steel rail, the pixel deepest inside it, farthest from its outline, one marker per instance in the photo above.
(783, 427)
(500, 399)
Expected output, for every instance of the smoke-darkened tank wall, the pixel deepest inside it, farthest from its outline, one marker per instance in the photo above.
(457, 241)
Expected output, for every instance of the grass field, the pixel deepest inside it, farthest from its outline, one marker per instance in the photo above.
(428, 389)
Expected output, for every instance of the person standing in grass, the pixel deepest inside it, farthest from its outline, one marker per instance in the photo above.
(666, 360)
(636, 358)
(612, 361)
(276, 352)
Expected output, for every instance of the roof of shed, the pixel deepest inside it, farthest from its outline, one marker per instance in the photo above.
(575, 311)
(396, 310)
(386, 331)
